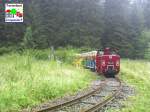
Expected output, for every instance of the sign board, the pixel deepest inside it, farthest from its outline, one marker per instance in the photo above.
(13, 12)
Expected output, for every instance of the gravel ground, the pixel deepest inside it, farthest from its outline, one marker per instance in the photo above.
(66, 98)
(115, 104)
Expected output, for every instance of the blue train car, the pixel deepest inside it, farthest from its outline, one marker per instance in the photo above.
(90, 64)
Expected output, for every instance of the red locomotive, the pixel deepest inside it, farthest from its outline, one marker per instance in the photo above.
(107, 63)
(103, 62)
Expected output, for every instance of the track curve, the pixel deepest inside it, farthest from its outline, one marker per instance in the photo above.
(90, 102)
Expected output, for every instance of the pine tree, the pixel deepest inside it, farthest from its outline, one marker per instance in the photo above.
(28, 39)
(136, 27)
(2, 38)
(147, 13)
(116, 26)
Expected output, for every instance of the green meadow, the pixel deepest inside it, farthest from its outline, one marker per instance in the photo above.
(34, 76)
(137, 74)
(31, 78)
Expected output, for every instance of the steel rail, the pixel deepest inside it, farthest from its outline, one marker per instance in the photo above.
(71, 102)
(101, 104)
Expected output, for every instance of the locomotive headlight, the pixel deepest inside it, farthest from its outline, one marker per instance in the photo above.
(117, 63)
(103, 63)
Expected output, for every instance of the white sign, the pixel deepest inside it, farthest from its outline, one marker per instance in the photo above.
(13, 12)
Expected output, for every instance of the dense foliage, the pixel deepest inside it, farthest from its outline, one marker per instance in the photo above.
(91, 23)
(31, 78)
(139, 79)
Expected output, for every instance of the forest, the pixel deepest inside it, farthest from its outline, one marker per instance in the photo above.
(39, 58)
(123, 25)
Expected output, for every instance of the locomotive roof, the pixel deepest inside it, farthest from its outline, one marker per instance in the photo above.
(88, 54)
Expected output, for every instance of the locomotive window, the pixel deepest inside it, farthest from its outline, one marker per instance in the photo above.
(100, 52)
(113, 52)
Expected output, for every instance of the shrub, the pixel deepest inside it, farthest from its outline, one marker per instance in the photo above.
(4, 50)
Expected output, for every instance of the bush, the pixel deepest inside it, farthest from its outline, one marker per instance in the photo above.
(37, 54)
(65, 55)
(26, 82)
(4, 50)
(41, 55)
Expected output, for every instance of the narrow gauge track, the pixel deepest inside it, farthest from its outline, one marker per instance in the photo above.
(90, 102)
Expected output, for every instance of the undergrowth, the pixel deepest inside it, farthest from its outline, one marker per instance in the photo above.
(137, 74)
(28, 79)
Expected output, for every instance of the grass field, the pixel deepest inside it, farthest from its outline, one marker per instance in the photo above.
(27, 81)
(137, 74)
(30, 78)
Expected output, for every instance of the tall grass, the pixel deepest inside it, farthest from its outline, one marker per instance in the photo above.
(137, 74)
(26, 80)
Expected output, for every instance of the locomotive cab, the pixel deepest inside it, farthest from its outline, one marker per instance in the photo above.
(108, 63)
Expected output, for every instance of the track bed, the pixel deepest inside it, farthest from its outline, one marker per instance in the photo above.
(94, 99)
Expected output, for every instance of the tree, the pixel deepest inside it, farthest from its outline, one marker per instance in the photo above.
(88, 23)
(146, 13)
(136, 27)
(116, 27)
(62, 23)
(28, 39)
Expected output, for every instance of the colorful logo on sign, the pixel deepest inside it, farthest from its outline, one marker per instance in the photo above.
(13, 12)
(10, 1)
